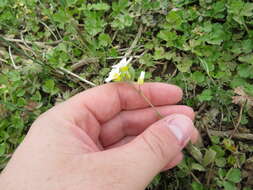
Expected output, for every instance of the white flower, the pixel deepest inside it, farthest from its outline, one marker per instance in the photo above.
(113, 75)
(141, 78)
(123, 63)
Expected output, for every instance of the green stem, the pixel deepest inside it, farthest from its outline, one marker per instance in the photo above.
(147, 100)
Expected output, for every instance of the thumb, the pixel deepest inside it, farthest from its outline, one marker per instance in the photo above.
(155, 148)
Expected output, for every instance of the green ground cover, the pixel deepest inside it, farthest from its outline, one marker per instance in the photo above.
(48, 48)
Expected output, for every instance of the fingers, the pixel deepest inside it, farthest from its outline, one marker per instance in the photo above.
(129, 123)
(155, 148)
(175, 161)
(105, 101)
(121, 142)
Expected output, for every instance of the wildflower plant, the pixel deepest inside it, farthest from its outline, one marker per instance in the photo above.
(124, 72)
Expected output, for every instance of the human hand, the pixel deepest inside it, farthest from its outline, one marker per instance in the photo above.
(103, 138)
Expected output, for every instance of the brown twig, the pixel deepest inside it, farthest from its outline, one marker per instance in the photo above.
(202, 107)
(3, 60)
(121, 57)
(209, 175)
(77, 76)
(41, 44)
(49, 29)
(238, 121)
(241, 136)
(195, 178)
(83, 62)
(26, 45)
(12, 60)
(25, 48)
(129, 51)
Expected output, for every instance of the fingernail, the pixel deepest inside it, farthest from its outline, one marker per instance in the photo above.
(181, 128)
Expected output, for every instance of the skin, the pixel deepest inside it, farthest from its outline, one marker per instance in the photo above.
(103, 138)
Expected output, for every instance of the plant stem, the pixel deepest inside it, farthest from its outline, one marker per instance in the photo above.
(77, 76)
(151, 105)
(147, 100)
(238, 121)
(195, 178)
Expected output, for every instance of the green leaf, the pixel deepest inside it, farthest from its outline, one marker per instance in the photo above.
(219, 151)
(221, 173)
(246, 59)
(229, 186)
(195, 153)
(122, 21)
(185, 65)
(247, 10)
(61, 17)
(174, 19)
(156, 181)
(94, 24)
(216, 35)
(36, 96)
(67, 3)
(21, 102)
(183, 166)
(197, 186)
(2, 149)
(3, 3)
(245, 70)
(209, 157)
(49, 87)
(215, 139)
(14, 76)
(20, 92)
(207, 65)
(234, 175)
(104, 40)
(206, 95)
(237, 81)
(119, 6)
(235, 7)
(220, 162)
(100, 7)
(218, 7)
(167, 36)
(239, 9)
(147, 60)
(159, 53)
(198, 167)
(198, 77)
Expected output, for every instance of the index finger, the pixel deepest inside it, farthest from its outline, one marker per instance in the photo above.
(105, 101)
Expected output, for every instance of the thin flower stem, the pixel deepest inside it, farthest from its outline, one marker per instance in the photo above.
(195, 178)
(147, 100)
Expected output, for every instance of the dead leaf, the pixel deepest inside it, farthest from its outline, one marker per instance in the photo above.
(242, 97)
(3, 111)
(31, 105)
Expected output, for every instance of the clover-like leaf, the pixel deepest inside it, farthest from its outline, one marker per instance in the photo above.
(234, 175)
